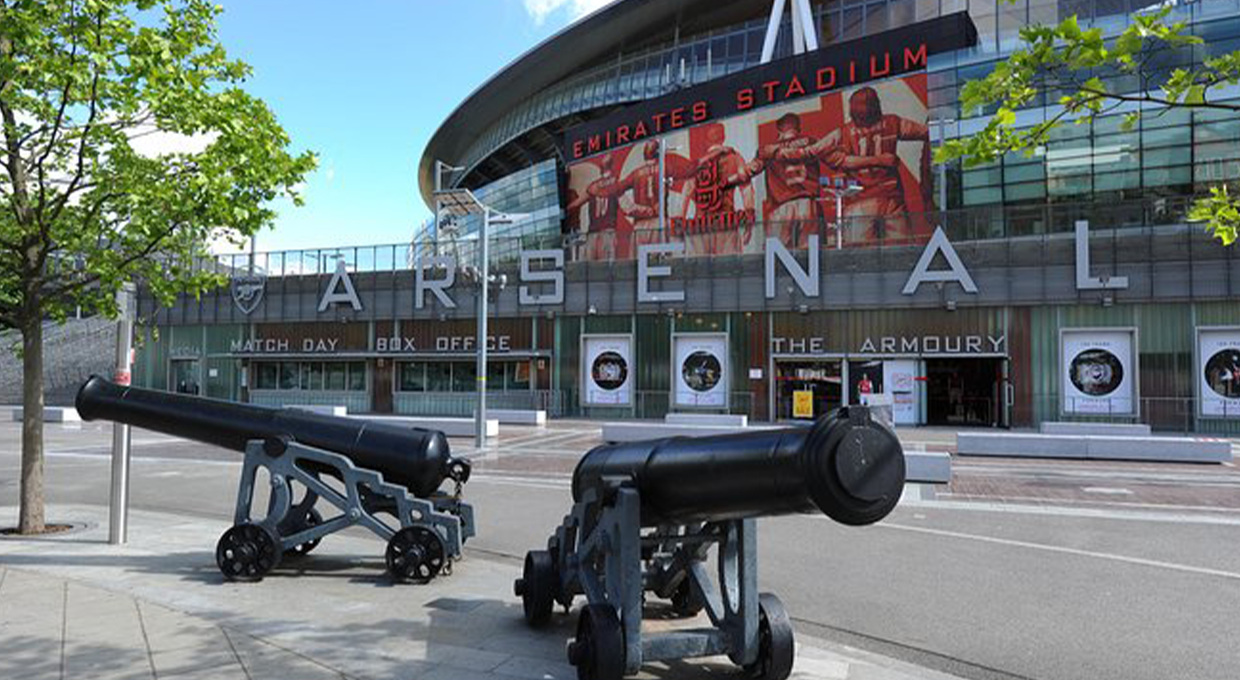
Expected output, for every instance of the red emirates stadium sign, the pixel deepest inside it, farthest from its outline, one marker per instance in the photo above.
(889, 54)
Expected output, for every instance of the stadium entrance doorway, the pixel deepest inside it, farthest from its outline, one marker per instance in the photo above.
(966, 392)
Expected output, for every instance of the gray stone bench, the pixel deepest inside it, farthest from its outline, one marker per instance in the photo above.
(321, 410)
(1094, 447)
(518, 417)
(715, 419)
(1103, 429)
(928, 467)
(52, 414)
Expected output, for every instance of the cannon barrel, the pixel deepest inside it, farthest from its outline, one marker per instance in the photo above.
(415, 458)
(846, 465)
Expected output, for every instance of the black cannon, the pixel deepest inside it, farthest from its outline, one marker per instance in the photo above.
(387, 478)
(646, 515)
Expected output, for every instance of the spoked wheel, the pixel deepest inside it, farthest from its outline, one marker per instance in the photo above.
(598, 650)
(415, 555)
(312, 518)
(537, 587)
(247, 552)
(687, 602)
(776, 649)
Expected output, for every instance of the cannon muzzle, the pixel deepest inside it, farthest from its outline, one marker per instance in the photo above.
(416, 458)
(846, 465)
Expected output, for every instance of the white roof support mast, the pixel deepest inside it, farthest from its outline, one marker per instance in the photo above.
(804, 35)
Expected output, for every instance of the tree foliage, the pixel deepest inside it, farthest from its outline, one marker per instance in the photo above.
(90, 90)
(1071, 66)
(128, 146)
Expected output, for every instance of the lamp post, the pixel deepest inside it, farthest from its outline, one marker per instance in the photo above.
(458, 203)
(118, 501)
(839, 190)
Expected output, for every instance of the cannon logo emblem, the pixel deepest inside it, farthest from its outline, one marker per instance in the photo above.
(247, 291)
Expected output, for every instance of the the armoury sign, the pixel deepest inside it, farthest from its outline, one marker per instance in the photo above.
(435, 277)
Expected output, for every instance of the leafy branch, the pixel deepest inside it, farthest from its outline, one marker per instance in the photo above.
(1077, 64)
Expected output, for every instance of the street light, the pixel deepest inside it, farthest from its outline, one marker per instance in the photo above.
(459, 203)
(839, 190)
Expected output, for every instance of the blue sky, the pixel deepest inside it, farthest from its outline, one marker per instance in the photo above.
(365, 84)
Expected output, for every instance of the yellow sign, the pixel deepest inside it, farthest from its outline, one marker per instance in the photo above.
(803, 404)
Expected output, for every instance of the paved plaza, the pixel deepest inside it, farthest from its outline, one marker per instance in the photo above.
(1052, 570)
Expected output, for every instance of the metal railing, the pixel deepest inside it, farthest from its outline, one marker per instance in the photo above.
(867, 232)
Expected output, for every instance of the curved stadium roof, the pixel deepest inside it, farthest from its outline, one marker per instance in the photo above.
(624, 25)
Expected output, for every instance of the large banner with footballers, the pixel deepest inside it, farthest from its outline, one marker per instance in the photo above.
(734, 182)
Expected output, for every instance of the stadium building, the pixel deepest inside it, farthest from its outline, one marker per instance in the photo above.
(731, 207)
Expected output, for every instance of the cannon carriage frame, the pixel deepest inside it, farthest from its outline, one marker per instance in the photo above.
(601, 551)
(429, 537)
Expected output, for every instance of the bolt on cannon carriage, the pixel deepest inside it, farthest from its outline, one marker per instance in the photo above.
(646, 515)
(377, 469)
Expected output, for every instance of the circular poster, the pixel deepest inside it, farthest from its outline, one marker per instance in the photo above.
(1096, 372)
(701, 371)
(609, 370)
(1222, 372)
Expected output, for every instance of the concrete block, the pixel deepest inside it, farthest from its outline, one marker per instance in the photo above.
(1095, 447)
(1164, 449)
(1021, 445)
(930, 467)
(52, 414)
(322, 410)
(717, 419)
(452, 427)
(1104, 429)
(518, 417)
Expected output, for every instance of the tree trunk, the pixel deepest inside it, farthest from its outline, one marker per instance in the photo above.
(32, 519)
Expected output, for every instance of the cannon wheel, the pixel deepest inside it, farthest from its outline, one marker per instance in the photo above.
(685, 601)
(312, 518)
(776, 650)
(598, 650)
(247, 552)
(537, 587)
(415, 555)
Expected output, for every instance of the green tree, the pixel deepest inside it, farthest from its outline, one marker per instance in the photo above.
(1073, 66)
(85, 87)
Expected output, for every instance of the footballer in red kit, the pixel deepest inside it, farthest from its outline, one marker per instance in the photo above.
(717, 227)
(864, 150)
(791, 182)
(602, 201)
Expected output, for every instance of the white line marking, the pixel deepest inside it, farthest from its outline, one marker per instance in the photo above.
(1106, 490)
(1067, 551)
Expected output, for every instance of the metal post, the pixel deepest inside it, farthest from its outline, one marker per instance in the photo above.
(839, 221)
(480, 432)
(118, 501)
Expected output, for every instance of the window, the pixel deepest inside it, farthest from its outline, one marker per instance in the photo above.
(288, 375)
(464, 377)
(357, 376)
(439, 376)
(412, 377)
(336, 376)
(266, 376)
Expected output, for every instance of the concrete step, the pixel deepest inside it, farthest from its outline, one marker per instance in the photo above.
(1094, 447)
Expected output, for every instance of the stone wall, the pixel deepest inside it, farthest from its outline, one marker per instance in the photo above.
(71, 353)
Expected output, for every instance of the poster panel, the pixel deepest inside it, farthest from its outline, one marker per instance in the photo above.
(736, 181)
(899, 377)
(1098, 372)
(1218, 361)
(607, 370)
(803, 404)
(701, 370)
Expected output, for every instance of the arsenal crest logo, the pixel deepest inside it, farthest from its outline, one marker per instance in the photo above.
(247, 291)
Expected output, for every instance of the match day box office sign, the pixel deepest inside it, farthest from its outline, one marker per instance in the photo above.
(607, 370)
(504, 336)
(700, 370)
(1099, 371)
(1218, 371)
(313, 338)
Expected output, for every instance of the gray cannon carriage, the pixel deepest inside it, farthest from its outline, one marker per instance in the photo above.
(384, 477)
(646, 516)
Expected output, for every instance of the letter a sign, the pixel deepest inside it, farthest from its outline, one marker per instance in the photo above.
(334, 295)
